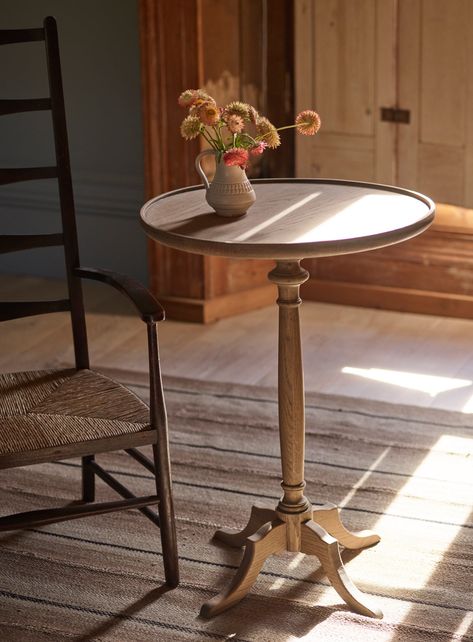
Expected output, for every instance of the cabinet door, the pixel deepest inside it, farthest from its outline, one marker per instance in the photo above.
(345, 69)
(435, 152)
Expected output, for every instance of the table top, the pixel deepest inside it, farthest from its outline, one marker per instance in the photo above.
(291, 219)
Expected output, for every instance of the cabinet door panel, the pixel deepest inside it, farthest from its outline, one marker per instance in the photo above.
(443, 71)
(441, 171)
(435, 152)
(347, 164)
(345, 53)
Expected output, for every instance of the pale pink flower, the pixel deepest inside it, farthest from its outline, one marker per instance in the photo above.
(188, 97)
(235, 124)
(308, 122)
(258, 148)
(190, 127)
(237, 108)
(236, 156)
(209, 113)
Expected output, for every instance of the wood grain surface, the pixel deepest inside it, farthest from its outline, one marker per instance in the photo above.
(294, 218)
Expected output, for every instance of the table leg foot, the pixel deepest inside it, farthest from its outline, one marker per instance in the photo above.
(258, 517)
(316, 541)
(269, 539)
(328, 517)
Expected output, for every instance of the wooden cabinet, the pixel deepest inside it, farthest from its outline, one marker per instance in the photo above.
(237, 51)
(352, 59)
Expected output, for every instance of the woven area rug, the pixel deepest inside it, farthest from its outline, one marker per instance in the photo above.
(403, 471)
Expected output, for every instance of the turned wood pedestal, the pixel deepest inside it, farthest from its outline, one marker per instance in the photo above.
(294, 525)
(290, 220)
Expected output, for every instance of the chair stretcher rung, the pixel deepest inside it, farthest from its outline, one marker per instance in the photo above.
(53, 515)
(18, 309)
(142, 459)
(17, 242)
(17, 105)
(9, 36)
(16, 174)
(121, 489)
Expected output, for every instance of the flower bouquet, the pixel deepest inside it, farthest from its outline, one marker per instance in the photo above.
(234, 133)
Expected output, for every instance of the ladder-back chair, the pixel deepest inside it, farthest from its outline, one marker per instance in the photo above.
(51, 415)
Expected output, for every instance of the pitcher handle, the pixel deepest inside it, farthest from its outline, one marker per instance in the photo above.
(198, 166)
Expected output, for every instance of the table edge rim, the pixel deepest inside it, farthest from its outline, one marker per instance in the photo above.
(300, 250)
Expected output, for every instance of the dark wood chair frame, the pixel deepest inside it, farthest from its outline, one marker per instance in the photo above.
(148, 307)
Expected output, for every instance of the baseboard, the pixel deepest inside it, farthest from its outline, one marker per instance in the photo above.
(210, 310)
(389, 298)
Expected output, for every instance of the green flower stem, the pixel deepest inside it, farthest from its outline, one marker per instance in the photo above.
(278, 129)
(253, 140)
(219, 137)
(209, 139)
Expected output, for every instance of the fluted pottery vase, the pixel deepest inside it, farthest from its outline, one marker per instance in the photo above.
(230, 193)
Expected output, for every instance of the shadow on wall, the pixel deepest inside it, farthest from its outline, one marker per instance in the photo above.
(99, 44)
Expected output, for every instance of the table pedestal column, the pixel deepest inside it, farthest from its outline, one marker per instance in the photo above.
(294, 525)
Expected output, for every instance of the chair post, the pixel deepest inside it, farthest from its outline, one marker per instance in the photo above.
(162, 464)
(66, 194)
(88, 479)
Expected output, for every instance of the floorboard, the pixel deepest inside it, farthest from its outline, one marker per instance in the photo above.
(403, 358)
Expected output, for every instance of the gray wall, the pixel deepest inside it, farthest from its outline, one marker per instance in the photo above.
(101, 73)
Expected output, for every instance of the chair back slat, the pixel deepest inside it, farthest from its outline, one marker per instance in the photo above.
(17, 242)
(62, 171)
(17, 105)
(10, 36)
(18, 309)
(17, 174)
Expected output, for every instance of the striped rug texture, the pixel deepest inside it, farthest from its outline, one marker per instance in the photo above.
(403, 471)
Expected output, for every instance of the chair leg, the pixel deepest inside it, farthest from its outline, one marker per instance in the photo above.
(88, 479)
(166, 517)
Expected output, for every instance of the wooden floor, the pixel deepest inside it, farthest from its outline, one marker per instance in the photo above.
(403, 358)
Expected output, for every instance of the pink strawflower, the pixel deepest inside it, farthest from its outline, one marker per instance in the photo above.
(258, 148)
(236, 156)
(308, 122)
(209, 113)
(235, 124)
(188, 97)
(237, 108)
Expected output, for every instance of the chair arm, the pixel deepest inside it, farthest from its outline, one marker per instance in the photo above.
(149, 308)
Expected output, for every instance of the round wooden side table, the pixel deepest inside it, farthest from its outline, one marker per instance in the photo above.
(292, 219)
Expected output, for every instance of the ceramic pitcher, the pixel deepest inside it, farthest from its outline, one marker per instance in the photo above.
(230, 193)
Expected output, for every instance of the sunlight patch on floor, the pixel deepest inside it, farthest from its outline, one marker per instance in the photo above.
(464, 625)
(296, 560)
(411, 500)
(468, 407)
(421, 500)
(430, 384)
(364, 477)
(334, 629)
(277, 584)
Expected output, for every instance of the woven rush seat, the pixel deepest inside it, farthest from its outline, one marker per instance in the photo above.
(48, 408)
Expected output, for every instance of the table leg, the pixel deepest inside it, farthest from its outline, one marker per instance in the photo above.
(294, 525)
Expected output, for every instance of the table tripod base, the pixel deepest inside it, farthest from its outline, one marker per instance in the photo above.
(269, 532)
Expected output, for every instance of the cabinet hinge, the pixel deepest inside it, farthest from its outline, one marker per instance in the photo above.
(395, 115)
